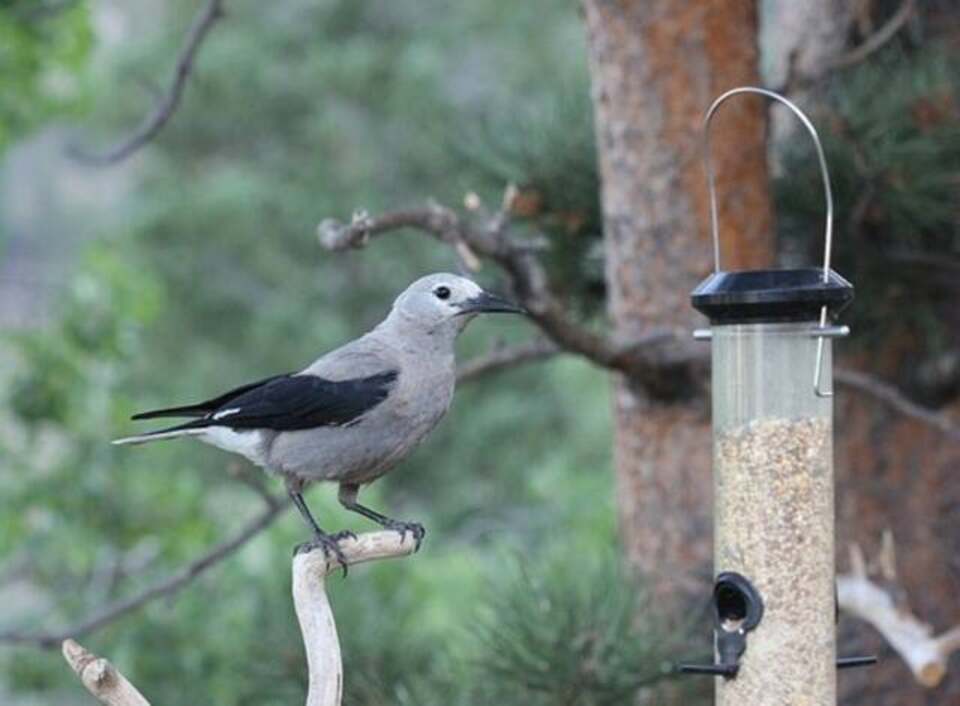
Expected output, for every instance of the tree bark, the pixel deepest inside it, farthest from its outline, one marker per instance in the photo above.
(655, 67)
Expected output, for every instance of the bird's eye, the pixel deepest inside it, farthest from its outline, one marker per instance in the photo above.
(442, 292)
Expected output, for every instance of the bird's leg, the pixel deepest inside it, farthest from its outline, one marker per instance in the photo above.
(305, 512)
(348, 498)
(329, 543)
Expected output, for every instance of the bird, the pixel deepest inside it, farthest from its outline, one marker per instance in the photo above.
(354, 413)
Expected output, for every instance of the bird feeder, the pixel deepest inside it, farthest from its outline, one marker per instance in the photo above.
(770, 335)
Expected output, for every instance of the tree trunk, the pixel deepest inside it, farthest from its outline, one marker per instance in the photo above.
(656, 65)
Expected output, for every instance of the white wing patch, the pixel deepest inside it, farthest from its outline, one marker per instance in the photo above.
(226, 413)
(248, 443)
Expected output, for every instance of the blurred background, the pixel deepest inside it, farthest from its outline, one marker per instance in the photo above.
(193, 265)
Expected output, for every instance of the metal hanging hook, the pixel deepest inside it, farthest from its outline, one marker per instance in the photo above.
(711, 175)
(827, 191)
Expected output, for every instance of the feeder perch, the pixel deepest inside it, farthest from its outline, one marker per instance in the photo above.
(737, 609)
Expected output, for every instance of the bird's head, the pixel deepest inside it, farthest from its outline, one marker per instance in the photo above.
(447, 302)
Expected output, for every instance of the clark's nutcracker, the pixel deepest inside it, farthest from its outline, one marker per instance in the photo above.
(351, 415)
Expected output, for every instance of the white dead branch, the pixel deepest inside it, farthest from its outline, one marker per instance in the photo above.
(320, 639)
(887, 610)
(101, 678)
(310, 570)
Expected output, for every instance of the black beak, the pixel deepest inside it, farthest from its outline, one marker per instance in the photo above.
(485, 302)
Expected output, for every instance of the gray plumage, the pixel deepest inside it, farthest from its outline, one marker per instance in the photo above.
(354, 413)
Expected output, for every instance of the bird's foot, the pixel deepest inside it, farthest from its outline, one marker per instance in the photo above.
(345, 534)
(330, 545)
(414, 528)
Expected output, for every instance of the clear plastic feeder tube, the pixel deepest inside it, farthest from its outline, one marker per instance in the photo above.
(774, 518)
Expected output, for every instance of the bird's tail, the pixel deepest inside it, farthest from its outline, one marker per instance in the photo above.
(159, 435)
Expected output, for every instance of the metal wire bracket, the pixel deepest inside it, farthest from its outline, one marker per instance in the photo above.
(822, 330)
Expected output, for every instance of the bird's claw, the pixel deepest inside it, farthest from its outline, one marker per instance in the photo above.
(414, 528)
(345, 534)
(329, 544)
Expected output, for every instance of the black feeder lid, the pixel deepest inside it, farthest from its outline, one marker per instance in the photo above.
(769, 296)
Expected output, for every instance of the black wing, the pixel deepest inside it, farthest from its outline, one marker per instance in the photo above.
(293, 402)
(202, 409)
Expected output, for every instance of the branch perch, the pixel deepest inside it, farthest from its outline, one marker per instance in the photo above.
(886, 610)
(310, 570)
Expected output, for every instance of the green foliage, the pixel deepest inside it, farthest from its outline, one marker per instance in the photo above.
(566, 633)
(102, 322)
(557, 629)
(42, 50)
(298, 111)
(892, 135)
(542, 142)
(295, 112)
(545, 146)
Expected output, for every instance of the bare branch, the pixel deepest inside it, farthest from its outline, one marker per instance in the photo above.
(909, 636)
(438, 221)
(315, 615)
(310, 569)
(506, 357)
(895, 399)
(167, 586)
(101, 678)
(644, 359)
(876, 40)
(154, 122)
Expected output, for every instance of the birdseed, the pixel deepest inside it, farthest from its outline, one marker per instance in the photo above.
(774, 524)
